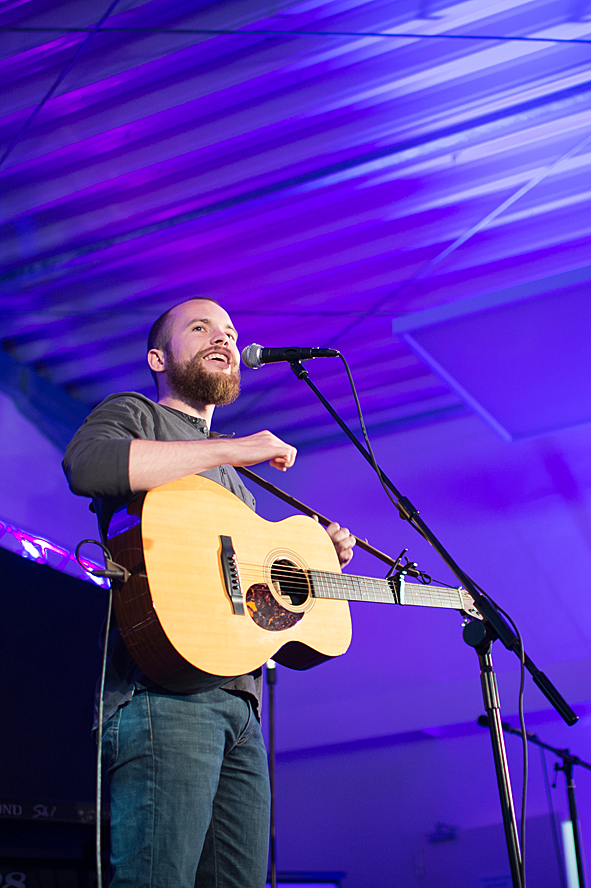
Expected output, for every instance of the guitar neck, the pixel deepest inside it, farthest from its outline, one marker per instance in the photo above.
(392, 591)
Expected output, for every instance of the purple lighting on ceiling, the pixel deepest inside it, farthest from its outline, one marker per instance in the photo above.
(309, 183)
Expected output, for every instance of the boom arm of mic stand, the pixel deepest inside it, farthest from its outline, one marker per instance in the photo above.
(409, 513)
(564, 754)
(568, 761)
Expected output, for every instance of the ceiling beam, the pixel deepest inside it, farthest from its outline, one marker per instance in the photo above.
(405, 324)
(45, 264)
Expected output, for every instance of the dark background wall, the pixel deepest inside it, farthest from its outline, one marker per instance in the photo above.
(49, 662)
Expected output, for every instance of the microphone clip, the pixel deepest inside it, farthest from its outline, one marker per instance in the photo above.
(299, 369)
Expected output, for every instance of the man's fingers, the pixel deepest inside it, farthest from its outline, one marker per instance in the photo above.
(338, 534)
(282, 462)
(262, 447)
(343, 542)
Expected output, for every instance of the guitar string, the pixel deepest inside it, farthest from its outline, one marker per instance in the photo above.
(325, 579)
(344, 586)
(364, 585)
(328, 591)
(288, 570)
(354, 591)
(346, 579)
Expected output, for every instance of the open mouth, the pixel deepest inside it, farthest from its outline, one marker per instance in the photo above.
(218, 357)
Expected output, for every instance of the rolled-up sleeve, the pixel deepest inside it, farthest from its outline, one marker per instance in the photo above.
(96, 462)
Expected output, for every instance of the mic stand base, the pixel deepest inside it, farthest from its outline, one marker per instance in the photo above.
(478, 635)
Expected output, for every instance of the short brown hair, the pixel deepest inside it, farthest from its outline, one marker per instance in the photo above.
(159, 335)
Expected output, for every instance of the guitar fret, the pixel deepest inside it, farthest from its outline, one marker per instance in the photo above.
(349, 587)
(433, 597)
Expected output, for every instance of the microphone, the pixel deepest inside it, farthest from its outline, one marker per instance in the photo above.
(254, 356)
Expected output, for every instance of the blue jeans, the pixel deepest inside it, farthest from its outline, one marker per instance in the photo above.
(189, 792)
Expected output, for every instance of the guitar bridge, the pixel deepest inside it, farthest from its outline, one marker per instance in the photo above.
(231, 575)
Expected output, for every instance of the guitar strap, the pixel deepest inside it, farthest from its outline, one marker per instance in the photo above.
(302, 507)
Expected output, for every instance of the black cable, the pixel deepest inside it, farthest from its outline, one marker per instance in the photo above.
(520, 704)
(424, 577)
(523, 729)
(553, 820)
(99, 745)
(488, 597)
(55, 85)
(268, 32)
(525, 751)
(101, 697)
(378, 471)
(373, 462)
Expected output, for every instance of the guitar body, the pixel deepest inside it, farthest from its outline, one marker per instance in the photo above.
(177, 613)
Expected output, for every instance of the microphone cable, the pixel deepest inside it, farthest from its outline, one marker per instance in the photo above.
(521, 695)
(522, 727)
(100, 708)
(373, 463)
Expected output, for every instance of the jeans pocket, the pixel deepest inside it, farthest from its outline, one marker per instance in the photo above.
(111, 739)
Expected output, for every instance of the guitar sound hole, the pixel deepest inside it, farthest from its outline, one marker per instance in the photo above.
(290, 581)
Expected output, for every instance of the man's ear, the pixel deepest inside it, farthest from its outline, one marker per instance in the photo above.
(156, 360)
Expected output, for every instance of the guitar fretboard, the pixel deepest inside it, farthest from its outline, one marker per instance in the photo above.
(353, 588)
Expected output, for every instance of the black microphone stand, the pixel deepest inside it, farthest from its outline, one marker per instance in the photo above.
(480, 636)
(568, 762)
(271, 672)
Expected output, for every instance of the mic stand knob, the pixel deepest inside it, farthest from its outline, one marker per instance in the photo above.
(299, 369)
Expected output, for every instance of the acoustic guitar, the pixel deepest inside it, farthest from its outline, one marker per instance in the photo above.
(216, 588)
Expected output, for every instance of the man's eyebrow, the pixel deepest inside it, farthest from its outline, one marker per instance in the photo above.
(209, 321)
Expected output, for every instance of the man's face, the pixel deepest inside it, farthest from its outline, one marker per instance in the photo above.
(202, 358)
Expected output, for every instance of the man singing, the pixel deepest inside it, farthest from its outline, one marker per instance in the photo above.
(188, 772)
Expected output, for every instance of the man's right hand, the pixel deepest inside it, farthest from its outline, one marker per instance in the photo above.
(261, 447)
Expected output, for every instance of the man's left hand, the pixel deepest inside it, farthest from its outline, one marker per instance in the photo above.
(343, 542)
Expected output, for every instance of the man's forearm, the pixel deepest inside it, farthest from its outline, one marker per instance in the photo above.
(152, 463)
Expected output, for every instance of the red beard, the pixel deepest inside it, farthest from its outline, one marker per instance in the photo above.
(192, 382)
